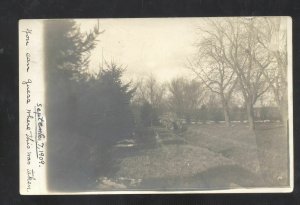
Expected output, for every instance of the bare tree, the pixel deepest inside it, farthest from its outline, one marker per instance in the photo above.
(151, 91)
(241, 51)
(214, 73)
(272, 36)
(185, 97)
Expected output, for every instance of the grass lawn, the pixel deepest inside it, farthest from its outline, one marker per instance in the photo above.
(207, 156)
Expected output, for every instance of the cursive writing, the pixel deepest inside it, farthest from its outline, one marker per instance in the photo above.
(40, 135)
(29, 139)
(27, 61)
(27, 41)
(27, 36)
(30, 178)
(29, 117)
(27, 83)
(40, 121)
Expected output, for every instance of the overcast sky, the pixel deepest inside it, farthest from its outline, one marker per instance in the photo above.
(157, 46)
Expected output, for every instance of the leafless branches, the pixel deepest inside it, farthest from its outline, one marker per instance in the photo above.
(243, 52)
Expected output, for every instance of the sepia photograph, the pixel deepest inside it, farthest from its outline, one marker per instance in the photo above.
(156, 105)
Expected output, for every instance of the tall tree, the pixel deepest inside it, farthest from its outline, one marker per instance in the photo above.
(272, 35)
(106, 106)
(212, 70)
(239, 48)
(149, 99)
(67, 58)
(185, 97)
(148, 115)
(67, 52)
(150, 90)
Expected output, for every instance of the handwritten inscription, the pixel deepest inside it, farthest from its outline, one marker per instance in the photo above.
(27, 36)
(40, 136)
(28, 92)
(29, 117)
(35, 140)
(34, 120)
(27, 62)
(27, 32)
(30, 178)
(29, 137)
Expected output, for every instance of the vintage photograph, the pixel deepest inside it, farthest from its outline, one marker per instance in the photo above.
(168, 104)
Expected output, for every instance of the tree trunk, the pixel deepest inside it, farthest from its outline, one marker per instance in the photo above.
(226, 116)
(226, 112)
(250, 114)
(283, 109)
(284, 115)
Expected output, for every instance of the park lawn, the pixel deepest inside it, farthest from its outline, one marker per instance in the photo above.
(210, 156)
(264, 151)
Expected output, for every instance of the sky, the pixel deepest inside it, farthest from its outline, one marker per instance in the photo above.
(145, 46)
(156, 46)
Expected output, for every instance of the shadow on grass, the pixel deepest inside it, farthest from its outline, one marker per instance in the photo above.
(223, 177)
(272, 142)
